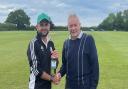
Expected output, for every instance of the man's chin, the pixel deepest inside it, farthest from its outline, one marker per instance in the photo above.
(74, 35)
(44, 34)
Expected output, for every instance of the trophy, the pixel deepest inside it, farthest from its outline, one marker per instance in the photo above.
(53, 64)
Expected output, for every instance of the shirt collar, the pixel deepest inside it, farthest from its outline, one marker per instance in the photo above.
(79, 36)
(48, 39)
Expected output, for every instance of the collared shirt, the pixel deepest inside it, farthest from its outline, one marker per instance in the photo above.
(80, 62)
(79, 36)
(39, 58)
(48, 39)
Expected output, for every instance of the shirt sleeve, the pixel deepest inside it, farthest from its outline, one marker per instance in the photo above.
(63, 67)
(34, 62)
(93, 63)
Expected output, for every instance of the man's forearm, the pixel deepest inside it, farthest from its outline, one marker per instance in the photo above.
(46, 76)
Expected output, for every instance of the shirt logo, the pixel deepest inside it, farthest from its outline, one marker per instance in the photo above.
(42, 48)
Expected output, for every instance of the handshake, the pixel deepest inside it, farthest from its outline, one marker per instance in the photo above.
(56, 79)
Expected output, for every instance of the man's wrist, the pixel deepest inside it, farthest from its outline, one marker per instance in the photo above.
(51, 78)
(59, 73)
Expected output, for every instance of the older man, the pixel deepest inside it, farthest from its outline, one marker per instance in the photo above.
(79, 58)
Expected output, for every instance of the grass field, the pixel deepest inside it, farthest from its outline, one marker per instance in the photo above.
(112, 49)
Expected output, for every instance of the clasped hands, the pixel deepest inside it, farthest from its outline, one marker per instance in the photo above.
(56, 79)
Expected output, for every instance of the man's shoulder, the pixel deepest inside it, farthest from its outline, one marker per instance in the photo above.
(51, 42)
(33, 41)
(66, 41)
(89, 36)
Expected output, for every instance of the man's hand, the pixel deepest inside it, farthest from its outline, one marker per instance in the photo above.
(55, 54)
(57, 79)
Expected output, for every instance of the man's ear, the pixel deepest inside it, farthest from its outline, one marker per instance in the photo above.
(36, 26)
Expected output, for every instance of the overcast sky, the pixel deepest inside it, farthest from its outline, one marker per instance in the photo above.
(90, 12)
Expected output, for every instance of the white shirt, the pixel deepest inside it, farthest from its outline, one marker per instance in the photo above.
(46, 43)
(79, 36)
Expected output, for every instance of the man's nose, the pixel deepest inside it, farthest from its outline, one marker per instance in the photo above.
(73, 28)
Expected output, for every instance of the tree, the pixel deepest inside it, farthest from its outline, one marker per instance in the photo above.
(125, 18)
(118, 23)
(52, 26)
(108, 23)
(18, 17)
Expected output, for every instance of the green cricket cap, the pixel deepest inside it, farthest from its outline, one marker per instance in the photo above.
(44, 17)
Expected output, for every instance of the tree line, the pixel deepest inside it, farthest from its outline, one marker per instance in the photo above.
(118, 21)
(19, 20)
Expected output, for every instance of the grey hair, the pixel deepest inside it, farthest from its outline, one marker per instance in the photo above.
(73, 15)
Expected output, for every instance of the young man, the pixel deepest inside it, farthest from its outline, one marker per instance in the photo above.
(79, 58)
(40, 51)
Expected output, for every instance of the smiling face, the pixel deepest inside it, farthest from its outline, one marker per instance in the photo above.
(43, 28)
(74, 26)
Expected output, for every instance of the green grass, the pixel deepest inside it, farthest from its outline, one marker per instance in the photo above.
(112, 49)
